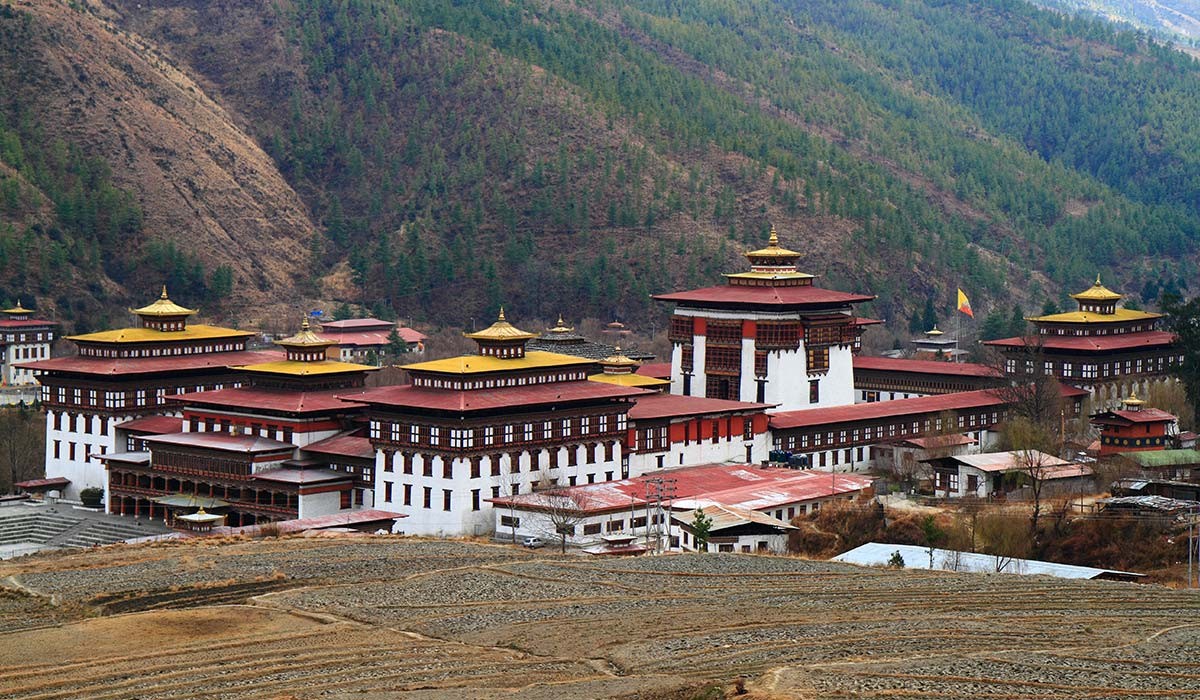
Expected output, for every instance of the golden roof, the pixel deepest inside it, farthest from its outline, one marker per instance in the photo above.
(617, 359)
(1097, 292)
(772, 250)
(1093, 317)
(150, 335)
(480, 364)
(501, 330)
(561, 327)
(306, 338)
(305, 369)
(935, 331)
(163, 307)
(18, 309)
(632, 380)
(1133, 401)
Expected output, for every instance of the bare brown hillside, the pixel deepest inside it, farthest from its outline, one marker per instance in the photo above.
(199, 179)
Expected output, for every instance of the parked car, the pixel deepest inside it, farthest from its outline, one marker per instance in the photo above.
(532, 542)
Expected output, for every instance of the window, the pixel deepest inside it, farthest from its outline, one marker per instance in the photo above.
(591, 529)
(814, 391)
(387, 492)
(446, 496)
(408, 494)
(510, 521)
(818, 360)
(428, 497)
(427, 467)
(345, 502)
(447, 468)
(475, 499)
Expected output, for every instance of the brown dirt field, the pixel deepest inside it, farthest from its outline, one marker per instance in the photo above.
(384, 617)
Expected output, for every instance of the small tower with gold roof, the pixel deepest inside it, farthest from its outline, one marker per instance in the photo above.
(502, 339)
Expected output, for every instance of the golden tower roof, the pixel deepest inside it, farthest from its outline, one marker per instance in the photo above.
(306, 338)
(18, 309)
(618, 362)
(164, 307)
(562, 327)
(935, 331)
(501, 330)
(1133, 403)
(1097, 292)
(773, 249)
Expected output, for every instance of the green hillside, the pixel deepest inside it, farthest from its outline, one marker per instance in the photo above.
(577, 156)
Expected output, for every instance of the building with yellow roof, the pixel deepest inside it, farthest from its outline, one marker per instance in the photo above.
(1101, 346)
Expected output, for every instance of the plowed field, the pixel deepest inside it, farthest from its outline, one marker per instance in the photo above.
(384, 617)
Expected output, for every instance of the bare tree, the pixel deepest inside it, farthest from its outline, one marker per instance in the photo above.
(1029, 389)
(22, 446)
(565, 509)
(1004, 537)
(1030, 444)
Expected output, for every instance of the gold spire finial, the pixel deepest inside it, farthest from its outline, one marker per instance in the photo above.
(1098, 280)
(501, 318)
(304, 324)
(773, 241)
(560, 318)
(164, 292)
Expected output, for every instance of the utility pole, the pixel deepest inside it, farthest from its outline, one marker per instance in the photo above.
(658, 490)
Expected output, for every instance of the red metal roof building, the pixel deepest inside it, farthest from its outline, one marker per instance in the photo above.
(127, 373)
(887, 378)
(767, 335)
(23, 338)
(1109, 350)
(666, 430)
(1134, 428)
(283, 405)
(473, 427)
(356, 337)
(841, 436)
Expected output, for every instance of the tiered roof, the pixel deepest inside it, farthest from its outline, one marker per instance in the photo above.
(619, 369)
(773, 282)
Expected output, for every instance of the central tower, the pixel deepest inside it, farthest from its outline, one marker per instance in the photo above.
(767, 335)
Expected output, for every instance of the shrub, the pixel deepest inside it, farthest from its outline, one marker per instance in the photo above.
(92, 497)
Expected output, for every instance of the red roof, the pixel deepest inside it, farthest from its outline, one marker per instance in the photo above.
(875, 410)
(355, 517)
(154, 425)
(10, 323)
(890, 364)
(1092, 343)
(1145, 415)
(303, 476)
(860, 321)
(108, 366)
(659, 405)
(357, 324)
(658, 370)
(744, 486)
(921, 405)
(408, 396)
(343, 446)
(259, 399)
(764, 296)
(371, 338)
(226, 442)
(43, 483)
(940, 441)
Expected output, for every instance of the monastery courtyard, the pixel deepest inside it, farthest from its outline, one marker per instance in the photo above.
(385, 617)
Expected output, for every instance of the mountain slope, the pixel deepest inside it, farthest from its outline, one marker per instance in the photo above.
(206, 194)
(575, 157)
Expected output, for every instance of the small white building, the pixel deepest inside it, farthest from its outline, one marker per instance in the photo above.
(639, 506)
(355, 338)
(732, 529)
(22, 339)
(995, 474)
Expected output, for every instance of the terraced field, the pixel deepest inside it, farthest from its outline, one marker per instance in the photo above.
(384, 617)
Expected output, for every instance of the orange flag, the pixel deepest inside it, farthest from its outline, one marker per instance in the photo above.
(964, 305)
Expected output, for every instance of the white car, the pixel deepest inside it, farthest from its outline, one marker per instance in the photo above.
(532, 542)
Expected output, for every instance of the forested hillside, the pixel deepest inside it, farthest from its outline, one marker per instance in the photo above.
(578, 156)
(1175, 20)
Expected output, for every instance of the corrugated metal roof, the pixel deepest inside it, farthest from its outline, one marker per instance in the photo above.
(722, 516)
(284, 400)
(409, 396)
(155, 425)
(799, 296)
(896, 364)
(106, 366)
(917, 557)
(659, 405)
(1008, 461)
(1164, 458)
(1110, 342)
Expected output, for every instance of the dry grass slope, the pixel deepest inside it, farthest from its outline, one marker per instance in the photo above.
(381, 618)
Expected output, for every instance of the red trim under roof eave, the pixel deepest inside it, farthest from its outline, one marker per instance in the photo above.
(468, 400)
(1091, 343)
(765, 296)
